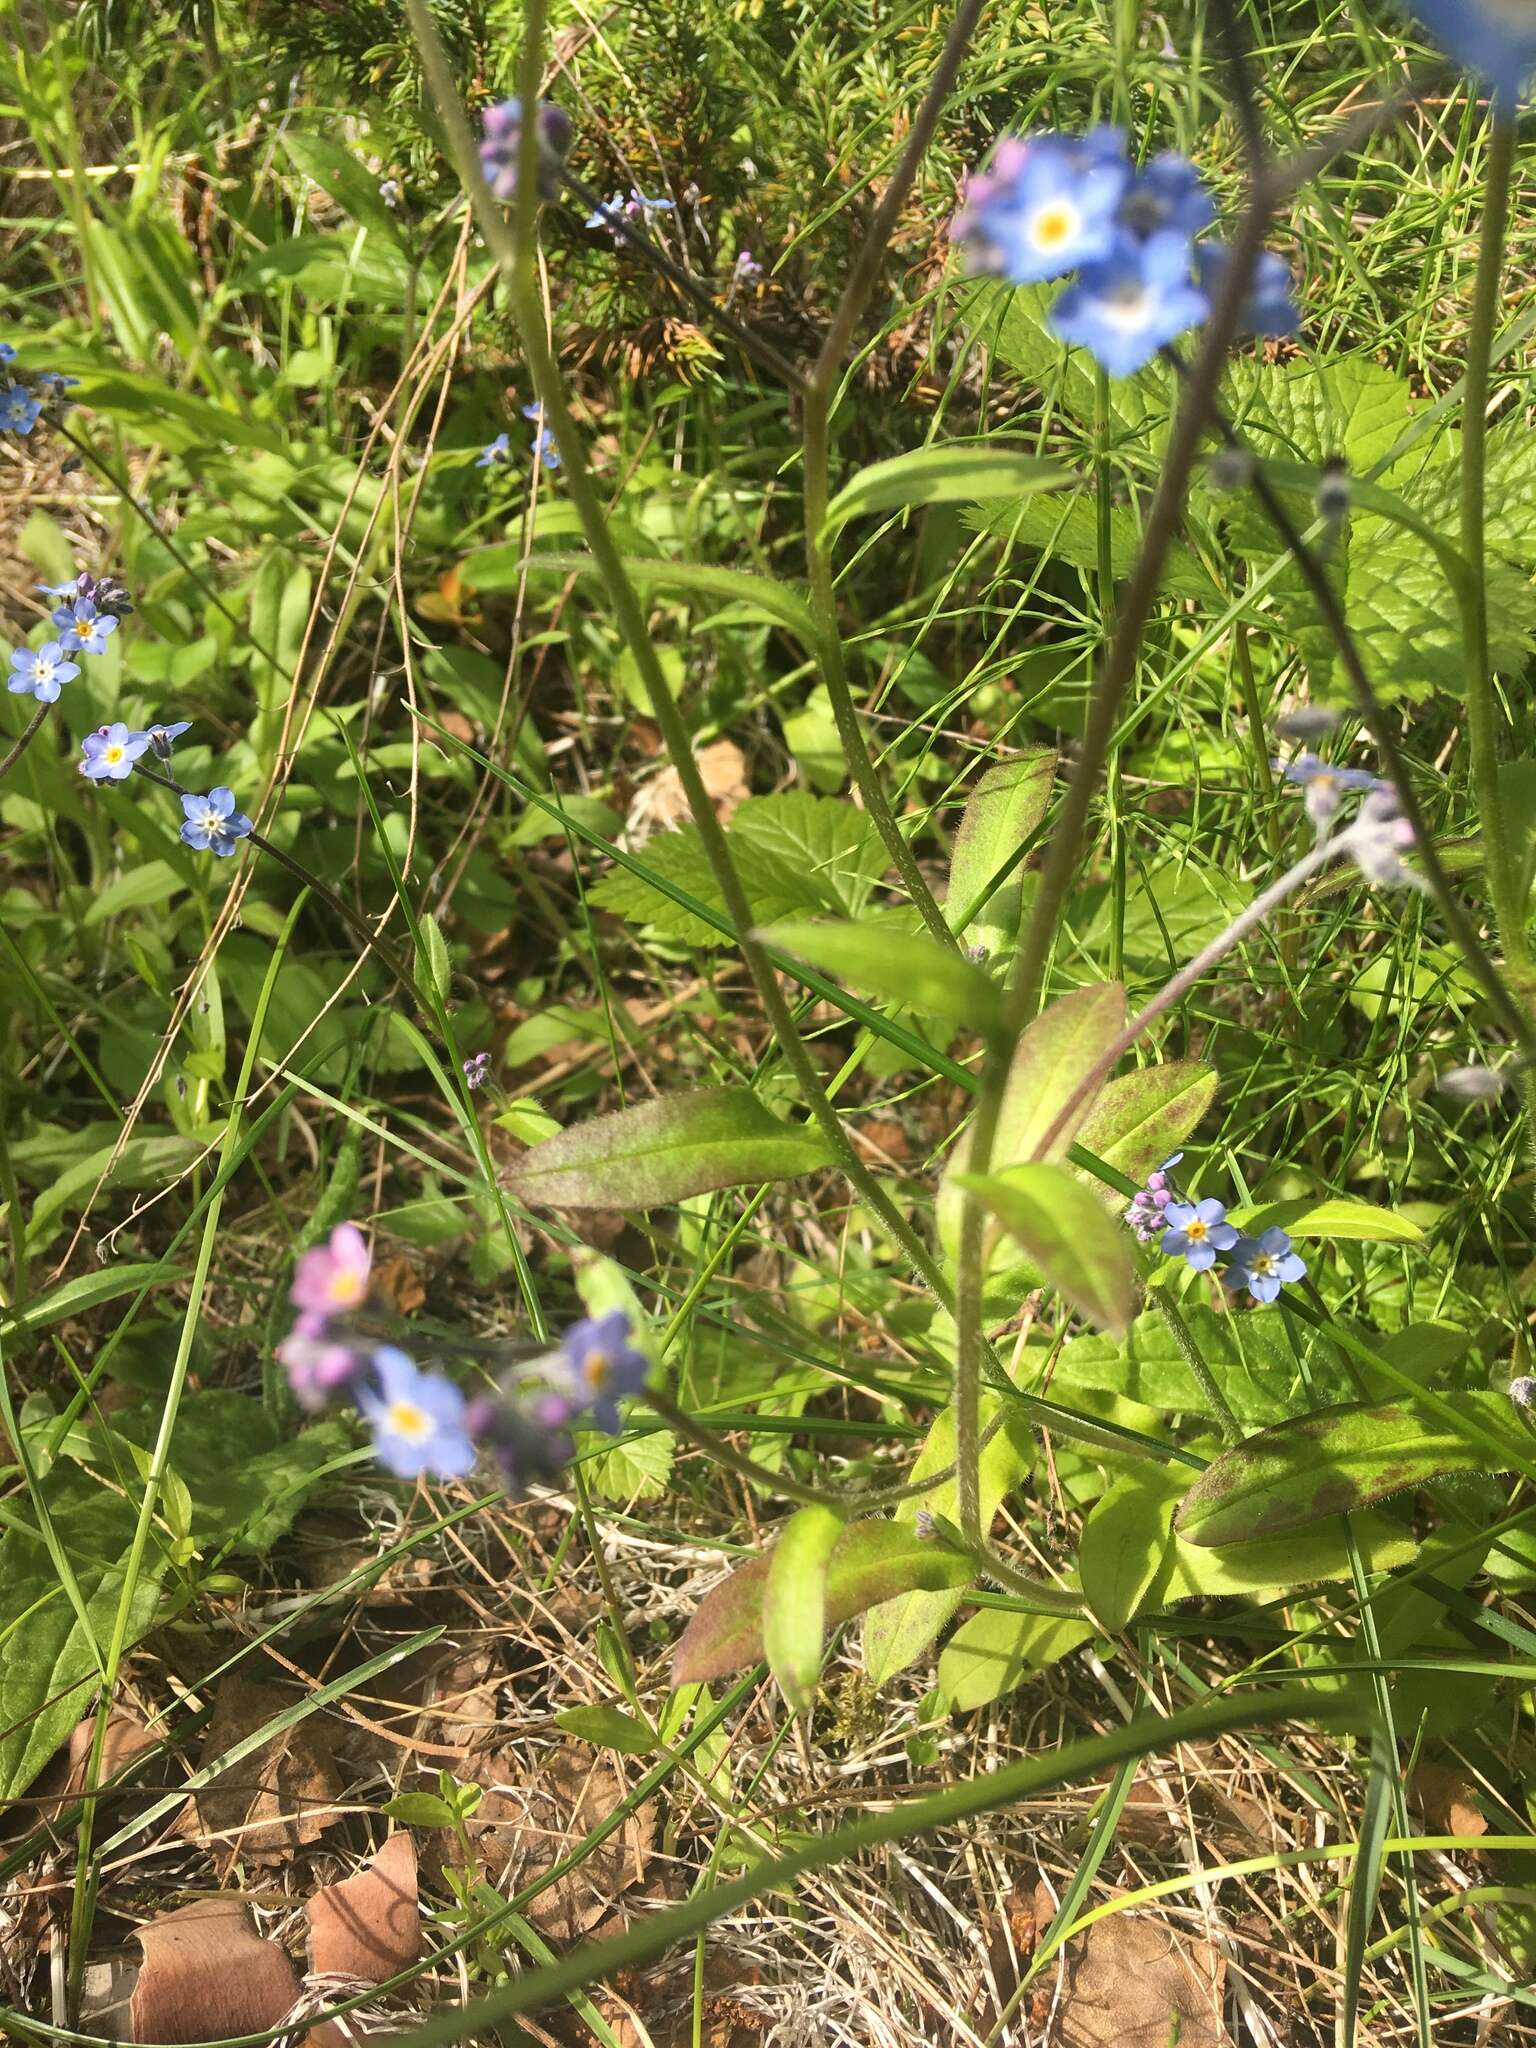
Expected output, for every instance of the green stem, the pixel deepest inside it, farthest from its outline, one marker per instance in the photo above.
(1231, 1428)
(514, 252)
(1482, 707)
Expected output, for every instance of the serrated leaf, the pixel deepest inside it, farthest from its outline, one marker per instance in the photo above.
(795, 1602)
(608, 1728)
(638, 1467)
(1250, 1358)
(1067, 1237)
(908, 968)
(1125, 1544)
(1331, 1463)
(1141, 1118)
(1003, 810)
(661, 1152)
(897, 1632)
(950, 474)
(996, 1650)
(872, 1561)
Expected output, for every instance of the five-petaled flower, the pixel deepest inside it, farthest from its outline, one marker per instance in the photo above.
(1133, 302)
(19, 410)
(418, 1418)
(602, 1365)
(545, 448)
(1047, 203)
(41, 672)
(1263, 1264)
(85, 629)
(1196, 1232)
(111, 752)
(212, 822)
(1268, 306)
(499, 450)
(332, 1279)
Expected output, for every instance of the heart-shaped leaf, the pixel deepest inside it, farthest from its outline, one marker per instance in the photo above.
(1333, 1461)
(904, 967)
(1077, 1248)
(661, 1152)
(795, 1603)
(871, 1561)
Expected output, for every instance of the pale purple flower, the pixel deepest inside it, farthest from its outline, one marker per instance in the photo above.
(319, 1366)
(524, 1431)
(601, 1365)
(332, 1279)
(502, 147)
(418, 1419)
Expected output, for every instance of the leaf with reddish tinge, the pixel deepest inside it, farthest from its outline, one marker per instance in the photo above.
(1140, 1118)
(1335, 1460)
(871, 1561)
(208, 1975)
(662, 1152)
(1079, 1251)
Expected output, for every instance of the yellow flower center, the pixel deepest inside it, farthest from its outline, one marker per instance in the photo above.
(596, 1369)
(114, 753)
(1054, 225)
(1194, 1229)
(409, 1421)
(345, 1289)
(1264, 1264)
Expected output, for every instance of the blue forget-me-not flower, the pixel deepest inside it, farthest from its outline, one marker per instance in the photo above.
(1048, 203)
(1126, 307)
(111, 753)
(1495, 38)
(1325, 785)
(417, 1419)
(213, 823)
(1263, 1264)
(1197, 1231)
(85, 629)
(545, 448)
(499, 450)
(41, 672)
(602, 1365)
(502, 146)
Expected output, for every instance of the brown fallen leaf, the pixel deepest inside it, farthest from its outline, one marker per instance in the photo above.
(368, 1926)
(523, 1826)
(274, 1799)
(1131, 1982)
(126, 1738)
(659, 805)
(207, 1974)
(1447, 1798)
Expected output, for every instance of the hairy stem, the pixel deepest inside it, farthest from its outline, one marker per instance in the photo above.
(514, 251)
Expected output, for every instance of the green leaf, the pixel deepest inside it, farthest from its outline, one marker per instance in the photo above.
(1307, 1557)
(156, 411)
(337, 170)
(1056, 1053)
(420, 1810)
(872, 1561)
(608, 1728)
(782, 604)
(795, 1603)
(967, 473)
(909, 968)
(899, 1631)
(1126, 1541)
(638, 1467)
(1332, 1462)
(660, 1152)
(141, 886)
(1003, 810)
(1359, 1221)
(1080, 1251)
(996, 1650)
(1141, 1118)
(434, 968)
(1250, 1358)
(1066, 529)
(74, 1297)
(794, 853)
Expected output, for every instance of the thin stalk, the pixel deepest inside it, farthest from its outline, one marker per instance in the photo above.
(819, 390)
(1482, 707)
(514, 251)
(24, 739)
(1189, 1350)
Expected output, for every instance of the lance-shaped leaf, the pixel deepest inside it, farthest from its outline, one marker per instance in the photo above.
(1006, 806)
(1140, 1118)
(1335, 1460)
(661, 1152)
(1361, 1221)
(795, 1603)
(898, 1632)
(1073, 1244)
(967, 474)
(871, 1561)
(904, 967)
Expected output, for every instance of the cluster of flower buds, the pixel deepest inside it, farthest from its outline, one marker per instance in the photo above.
(1146, 1215)
(501, 147)
(421, 1422)
(26, 396)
